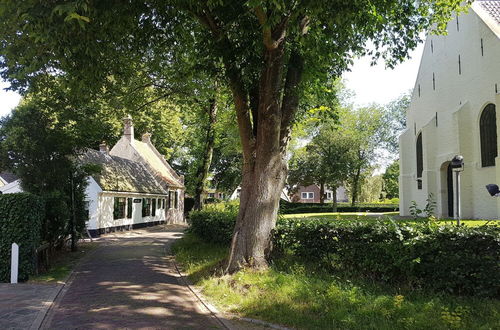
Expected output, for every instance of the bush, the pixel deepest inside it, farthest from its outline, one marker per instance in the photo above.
(215, 223)
(21, 218)
(459, 260)
(293, 208)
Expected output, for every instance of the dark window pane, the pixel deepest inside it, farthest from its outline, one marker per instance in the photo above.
(153, 213)
(146, 207)
(488, 134)
(119, 208)
(176, 200)
(420, 160)
(129, 208)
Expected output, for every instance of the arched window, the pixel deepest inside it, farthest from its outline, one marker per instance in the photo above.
(488, 134)
(420, 161)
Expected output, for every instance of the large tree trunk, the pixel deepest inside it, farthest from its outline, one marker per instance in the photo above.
(322, 193)
(264, 124)
(202, 172)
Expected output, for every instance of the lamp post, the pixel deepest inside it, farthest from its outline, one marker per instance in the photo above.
(457, 166)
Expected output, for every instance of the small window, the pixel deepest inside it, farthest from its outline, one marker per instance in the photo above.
(176, 205)
(146, 207)
(307, 195)
(119, 208)
(211, 195)
(328, 195)
(153, 208)
(170, 199)
(129, 208)
(420, 160)
(488, 135)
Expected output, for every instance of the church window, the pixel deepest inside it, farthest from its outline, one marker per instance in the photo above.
(488, 135)
(420, 161)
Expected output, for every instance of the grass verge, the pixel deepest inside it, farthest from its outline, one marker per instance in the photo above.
(296, 295)
(63, 263)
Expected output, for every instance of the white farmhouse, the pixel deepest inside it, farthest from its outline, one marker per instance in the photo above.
(135, 188)
(452, 112)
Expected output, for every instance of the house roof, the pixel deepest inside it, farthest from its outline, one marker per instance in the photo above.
(8, 177)
(120, 174)
(492, 8)
(158, 164)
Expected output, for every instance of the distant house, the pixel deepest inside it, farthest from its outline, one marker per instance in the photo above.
(136, 187)
(453, 111)
(236, 194)
(9, 183)
(311, 194)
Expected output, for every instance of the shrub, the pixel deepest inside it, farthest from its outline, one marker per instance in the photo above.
(459, 260)
(215, 223)
(292, 208)
(21, 218)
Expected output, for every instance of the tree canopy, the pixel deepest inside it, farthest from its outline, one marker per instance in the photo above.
(270, 54)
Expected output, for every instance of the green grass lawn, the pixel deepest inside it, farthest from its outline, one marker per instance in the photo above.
(63, 263)
(362, 216)
(292, 294)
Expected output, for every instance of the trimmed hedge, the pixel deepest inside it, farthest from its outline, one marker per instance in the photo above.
(214, 225)
(21, 217)
(293, 208)
(459, 260)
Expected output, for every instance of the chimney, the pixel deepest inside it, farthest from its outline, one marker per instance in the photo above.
(128, 129)
(103, 148)
(146, 137)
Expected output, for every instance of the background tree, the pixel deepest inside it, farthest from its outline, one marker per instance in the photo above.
(371, 189)
(391, 180)
(271, 52)
(365, 128)
(395, 119)
(40, 146)
(325, 161)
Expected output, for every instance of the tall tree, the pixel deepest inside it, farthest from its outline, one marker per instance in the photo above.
(325, 161)
(391, 180)
(271, 51)
(395, 119)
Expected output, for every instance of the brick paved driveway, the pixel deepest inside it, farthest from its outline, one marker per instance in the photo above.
(129, 283)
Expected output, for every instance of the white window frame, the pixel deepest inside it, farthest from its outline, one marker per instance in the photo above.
(307, 195)
(329, 195)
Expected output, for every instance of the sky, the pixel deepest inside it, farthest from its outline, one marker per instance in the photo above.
(371, 84)
(376, 84)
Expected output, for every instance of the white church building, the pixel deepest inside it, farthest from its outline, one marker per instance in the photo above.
(453, 111)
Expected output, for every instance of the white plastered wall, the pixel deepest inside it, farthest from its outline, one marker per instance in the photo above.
(458, 100)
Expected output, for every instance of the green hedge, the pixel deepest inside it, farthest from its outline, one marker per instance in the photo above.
(294, 208)
(21, 218)
(214, 225)
(459, 260)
